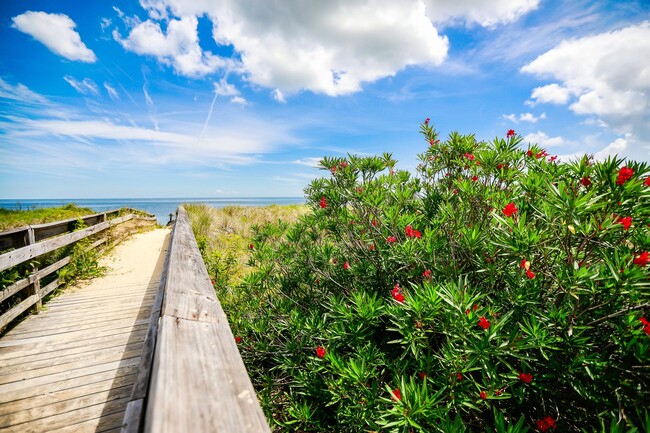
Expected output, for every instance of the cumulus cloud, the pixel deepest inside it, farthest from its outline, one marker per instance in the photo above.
(542, 139)
(178, 47)
(487, 14)
(603, 76)
(56, 32)
(551, 93)
(524, 117)
(85, 86)
(325, 47)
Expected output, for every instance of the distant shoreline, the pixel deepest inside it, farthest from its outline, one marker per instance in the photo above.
(160, 207)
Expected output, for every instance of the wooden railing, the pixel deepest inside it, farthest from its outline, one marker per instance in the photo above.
(191, 377)
(31, 242)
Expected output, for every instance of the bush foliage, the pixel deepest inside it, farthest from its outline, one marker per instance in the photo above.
(497, 290)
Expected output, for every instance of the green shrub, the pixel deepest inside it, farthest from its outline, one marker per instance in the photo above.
(498, 290)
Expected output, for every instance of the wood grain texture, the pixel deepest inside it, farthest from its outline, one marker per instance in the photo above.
(199, 382)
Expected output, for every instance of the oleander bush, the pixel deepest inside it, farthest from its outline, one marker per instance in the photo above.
(499, 289)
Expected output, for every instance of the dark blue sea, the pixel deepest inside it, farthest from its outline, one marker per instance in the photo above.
(160, 207)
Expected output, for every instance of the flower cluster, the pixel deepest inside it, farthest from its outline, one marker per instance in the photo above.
(510, 133)
(646, 325)
(320, 352)
(545, 424)
(323, 202)
(510, 209)
(412, 233)
(397, 293)
(483, 322)
(642, 259)
(624, 174)
(525, 377)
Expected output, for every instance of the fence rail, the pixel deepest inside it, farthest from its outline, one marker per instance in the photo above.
(191, 376)
(34, 241)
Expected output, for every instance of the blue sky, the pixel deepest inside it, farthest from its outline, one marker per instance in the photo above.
(184, 98)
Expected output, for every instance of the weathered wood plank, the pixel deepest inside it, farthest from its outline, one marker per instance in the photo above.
(17, 310)
(188, 291)
(14, 288)
(199, 382)
(132, 422)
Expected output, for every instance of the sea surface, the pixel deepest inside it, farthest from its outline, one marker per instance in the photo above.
(160, 207)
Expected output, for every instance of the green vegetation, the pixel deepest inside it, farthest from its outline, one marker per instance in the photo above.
(18, 218)
(224, 236)
(499, 290)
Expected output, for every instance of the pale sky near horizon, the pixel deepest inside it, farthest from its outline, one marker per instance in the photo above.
(185, 98)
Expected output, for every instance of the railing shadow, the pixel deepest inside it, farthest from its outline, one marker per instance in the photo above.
(113, 411)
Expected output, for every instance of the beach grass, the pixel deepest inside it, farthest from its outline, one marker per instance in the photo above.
(10, 219)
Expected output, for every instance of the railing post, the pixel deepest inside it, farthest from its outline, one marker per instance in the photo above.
(34, 280)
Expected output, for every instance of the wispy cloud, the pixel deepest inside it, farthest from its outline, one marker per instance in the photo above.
(85, 86)
(151, 107)
(111, 91)
(19, 92)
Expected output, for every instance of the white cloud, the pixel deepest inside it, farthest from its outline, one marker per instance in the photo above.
(85, 86)
(238, 100)
(223, 88)
(544, 140)
(524, 117)
(178, 47)
(19, 92)
(485, 13)
(278, 96)
(111, 91)
(606, 76)
(551, 93)
(56, 32)
(309, 162)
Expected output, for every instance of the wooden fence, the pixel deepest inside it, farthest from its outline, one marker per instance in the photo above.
(191, 377)
(28, 243)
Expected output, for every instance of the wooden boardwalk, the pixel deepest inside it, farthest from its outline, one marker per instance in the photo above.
(72, 367)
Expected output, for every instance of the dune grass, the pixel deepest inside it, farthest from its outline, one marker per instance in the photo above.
(224, 235)
(10, 219)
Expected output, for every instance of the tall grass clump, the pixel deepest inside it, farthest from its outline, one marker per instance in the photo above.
(498, 290)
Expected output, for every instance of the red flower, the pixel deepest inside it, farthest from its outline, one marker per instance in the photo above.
(459, 377)
(498, 392)
(372, 247)
(642, 259)
(525, 377)
(323, 203)
(510, 209)
(624, 174)
(333, 170)
(237, 340)
(346, 266)
(320, 352)
(397, 395)
(212, 281)
(500, 166)
(483, 322)
(541, 154)
(511, 133)
(469, 156)
(483, 395)
(625, 222)
(529, 153)
(397, 293)
(343, 164)
(474, 178)
(423, 375)
(391, 239)
(646, 325)
(427, 273)
(585, 181)
(426, 121)
(525, 264)
(646, 182)
(552, 158)
(545, 423)
(374, 223)
(250, 246)
(530, 274)
(412, 233)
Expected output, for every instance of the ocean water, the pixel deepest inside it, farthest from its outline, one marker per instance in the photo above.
(160, 207)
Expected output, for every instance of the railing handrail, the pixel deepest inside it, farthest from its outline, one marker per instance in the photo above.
(191, 377)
